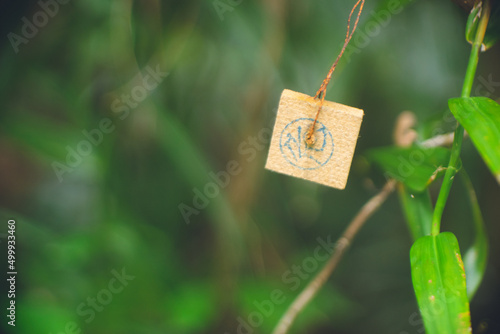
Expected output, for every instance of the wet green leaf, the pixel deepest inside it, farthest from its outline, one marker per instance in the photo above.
(480, 116)
(416, 167)
(417, 208)
(439, 282)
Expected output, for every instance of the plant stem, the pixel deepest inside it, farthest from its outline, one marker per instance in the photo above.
(459, 132)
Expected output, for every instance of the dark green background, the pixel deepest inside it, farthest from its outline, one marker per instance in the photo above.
(119, 208)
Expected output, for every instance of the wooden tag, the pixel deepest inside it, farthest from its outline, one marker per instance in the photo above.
(327, 161)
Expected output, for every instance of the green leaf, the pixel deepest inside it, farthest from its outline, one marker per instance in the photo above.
(416, 167)
(476, 256)
(417, 208)
(493, 30)
(438, 279)
(492, 34)
(473, 22)
(480, 116)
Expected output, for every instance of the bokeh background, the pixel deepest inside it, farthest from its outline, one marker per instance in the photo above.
(222, 65)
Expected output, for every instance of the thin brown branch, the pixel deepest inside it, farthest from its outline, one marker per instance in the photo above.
(441, 140)
(340, 247)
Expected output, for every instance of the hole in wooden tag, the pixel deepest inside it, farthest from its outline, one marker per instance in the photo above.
(326, 157)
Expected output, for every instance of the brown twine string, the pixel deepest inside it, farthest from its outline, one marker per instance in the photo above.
(322, 90)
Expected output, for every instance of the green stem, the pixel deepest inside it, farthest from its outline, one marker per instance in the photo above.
(459, 132)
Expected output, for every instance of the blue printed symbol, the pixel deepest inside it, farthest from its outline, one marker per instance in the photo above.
(295, 149)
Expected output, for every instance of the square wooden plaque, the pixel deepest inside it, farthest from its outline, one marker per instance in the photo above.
(326, 162)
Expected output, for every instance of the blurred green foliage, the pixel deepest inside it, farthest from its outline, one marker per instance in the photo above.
(118, 206)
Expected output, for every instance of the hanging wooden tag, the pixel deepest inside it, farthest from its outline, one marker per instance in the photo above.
(328, 160)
